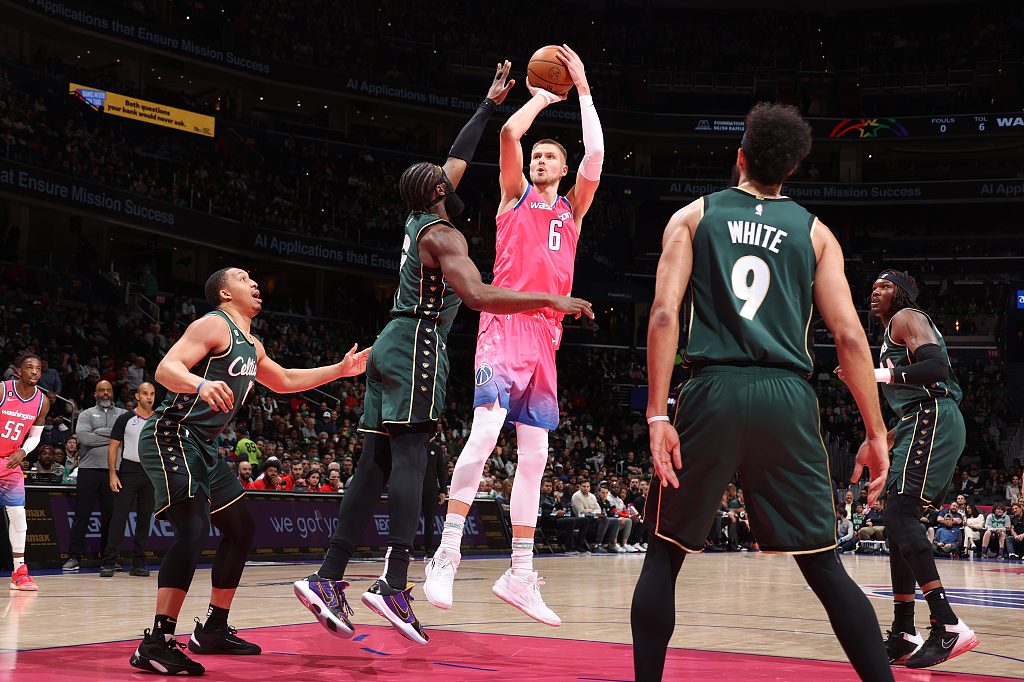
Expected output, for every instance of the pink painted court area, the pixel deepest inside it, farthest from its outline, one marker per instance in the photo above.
(306, 652)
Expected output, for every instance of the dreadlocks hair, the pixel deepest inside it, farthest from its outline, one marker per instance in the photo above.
(213, 286)
(900, 299)
(418, 183)
(777, 140)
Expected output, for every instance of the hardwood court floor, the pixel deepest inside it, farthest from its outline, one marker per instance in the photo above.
(739, 602)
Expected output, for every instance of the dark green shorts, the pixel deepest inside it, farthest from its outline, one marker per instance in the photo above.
(763, 423)
(178, 463)
(927, 446)
(406, 375)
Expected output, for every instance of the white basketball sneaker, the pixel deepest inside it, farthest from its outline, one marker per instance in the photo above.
(523, 592)
(440, 572)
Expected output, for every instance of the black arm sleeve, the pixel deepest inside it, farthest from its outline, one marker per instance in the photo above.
(117, 430)
(465, 144)
(930, 366)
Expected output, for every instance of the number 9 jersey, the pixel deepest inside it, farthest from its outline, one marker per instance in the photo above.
(753, 270)
(536, 247)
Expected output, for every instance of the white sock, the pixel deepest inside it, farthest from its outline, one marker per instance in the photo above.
(18, 561)
(522, 556)
(451, 536)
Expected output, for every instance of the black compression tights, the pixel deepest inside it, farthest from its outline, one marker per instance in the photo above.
(910, 554)
(191, 522)
(398, 461)
(236, 524)
(653, 612)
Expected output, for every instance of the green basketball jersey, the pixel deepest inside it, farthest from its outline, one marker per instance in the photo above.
(422, 291)
(753, 267)
(904, 396)
(235, 366)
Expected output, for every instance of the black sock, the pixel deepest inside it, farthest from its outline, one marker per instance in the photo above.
(903, 621)
(334, 564)
(397, 572)
(939, 606)
(216, 618)
(163, 626)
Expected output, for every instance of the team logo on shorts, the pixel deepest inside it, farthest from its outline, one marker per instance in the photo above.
(484, 373)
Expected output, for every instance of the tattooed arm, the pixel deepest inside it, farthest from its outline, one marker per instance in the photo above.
(912, 329)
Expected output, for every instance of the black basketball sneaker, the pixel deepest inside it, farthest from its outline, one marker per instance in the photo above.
(901, 645)
(164, 657)
(945, 642)
(224, 641)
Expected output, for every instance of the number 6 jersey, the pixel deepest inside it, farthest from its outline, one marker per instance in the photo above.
(753, 267)
(536, 247)
(17, 416)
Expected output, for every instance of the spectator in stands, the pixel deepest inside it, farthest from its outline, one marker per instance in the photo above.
(947, 539)
(50, 379)
(333, 484)
(1013, 489)
(71, 453)
(997, 523)
(585, 504)
(93, 430)
(873, 528)
(45, 470)
(623, 524)
(554, 517)
(245, 448)
(844, 531)
(974, 522)
(930, 520)
(1015, 536)
(137, 372)
(964, 486)
(245, 473)
(269, 478)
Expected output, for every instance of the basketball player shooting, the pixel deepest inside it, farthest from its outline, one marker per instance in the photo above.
(208, 374)
(406, 383)
(23, 408)
(515, 354)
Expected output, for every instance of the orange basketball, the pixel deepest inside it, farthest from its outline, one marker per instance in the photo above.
(548, 72)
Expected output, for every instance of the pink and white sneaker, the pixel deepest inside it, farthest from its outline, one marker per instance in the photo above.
(21, 580)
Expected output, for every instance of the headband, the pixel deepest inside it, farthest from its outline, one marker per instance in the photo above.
(900, 282)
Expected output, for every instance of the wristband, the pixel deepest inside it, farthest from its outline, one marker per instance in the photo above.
(657, 418)
(883, 375)
(200, 385)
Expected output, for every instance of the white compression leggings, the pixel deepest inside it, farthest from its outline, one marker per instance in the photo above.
(18, 528)
(533, 455)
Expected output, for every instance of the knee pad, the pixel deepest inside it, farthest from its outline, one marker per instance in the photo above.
(533, 456)
(18, 528)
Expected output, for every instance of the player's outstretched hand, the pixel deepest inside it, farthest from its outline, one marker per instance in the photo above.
(873, 454)
(354, 363)
(217, 395)
(574, 64)
(665, 449)
(549, 96)
(499, 88)
(573, 306)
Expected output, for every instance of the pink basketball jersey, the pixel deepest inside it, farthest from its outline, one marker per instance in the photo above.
(536, 247)
(16, 417)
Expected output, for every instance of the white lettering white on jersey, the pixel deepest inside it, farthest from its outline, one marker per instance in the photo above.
(746, 232)
(247, 370)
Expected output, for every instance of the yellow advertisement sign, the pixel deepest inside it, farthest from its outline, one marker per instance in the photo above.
(147, 112)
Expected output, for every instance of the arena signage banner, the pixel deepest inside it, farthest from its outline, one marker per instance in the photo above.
(286, 525)
(180, 222)
(147, 112)
(847, 130)
(867, 193)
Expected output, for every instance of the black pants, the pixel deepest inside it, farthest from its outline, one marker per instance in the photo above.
(605, 529)
(567, 527)
(430, 496)
(397, 460)
(92, 484)
(135, 484)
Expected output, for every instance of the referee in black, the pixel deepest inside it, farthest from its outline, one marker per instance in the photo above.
(435, 485)
(130, 481)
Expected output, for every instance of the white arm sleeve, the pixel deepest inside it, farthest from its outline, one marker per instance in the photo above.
(32, 442)
(593, 140)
